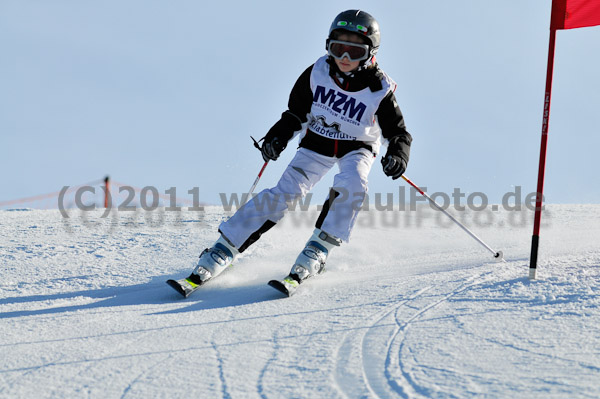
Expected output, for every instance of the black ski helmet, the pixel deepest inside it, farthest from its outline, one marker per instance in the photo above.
(360, 22)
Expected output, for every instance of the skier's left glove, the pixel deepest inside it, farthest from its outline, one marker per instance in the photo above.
(393, 166)
(396, 158)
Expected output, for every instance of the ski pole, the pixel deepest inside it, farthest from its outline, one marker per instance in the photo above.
(256, 145)
(497, 254)
(256, 182)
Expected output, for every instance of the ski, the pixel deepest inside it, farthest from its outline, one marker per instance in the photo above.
(184, 286)
(287, 286)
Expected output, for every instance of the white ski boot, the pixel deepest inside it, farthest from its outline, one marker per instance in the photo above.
(214, 260)
(311, 260)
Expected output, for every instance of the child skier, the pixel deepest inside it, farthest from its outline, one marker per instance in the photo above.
(345, 107)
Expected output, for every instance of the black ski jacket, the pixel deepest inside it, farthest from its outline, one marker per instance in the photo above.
(388, 114)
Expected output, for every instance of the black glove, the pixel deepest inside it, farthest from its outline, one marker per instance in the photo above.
(396, 158)
(271, 148)
(278, 136)
(393, 166)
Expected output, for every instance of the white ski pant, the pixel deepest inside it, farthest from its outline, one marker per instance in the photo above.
(304, 171)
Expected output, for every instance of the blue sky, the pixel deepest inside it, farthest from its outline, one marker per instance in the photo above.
(168, 93)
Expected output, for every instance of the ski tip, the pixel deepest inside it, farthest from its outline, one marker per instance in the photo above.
(177, 287)
(279, 286)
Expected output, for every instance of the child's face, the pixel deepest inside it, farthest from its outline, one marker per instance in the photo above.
(345, 65)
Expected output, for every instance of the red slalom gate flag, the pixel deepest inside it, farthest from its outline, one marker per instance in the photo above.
(566, 14)
(571, 14)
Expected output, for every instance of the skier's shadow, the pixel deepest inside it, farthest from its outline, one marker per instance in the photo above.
(218, 297)
(155, 292)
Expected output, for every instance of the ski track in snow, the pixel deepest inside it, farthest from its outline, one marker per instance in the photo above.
(412, 312)
(395, 381)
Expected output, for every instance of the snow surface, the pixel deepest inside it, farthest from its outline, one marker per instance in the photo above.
(412, 307)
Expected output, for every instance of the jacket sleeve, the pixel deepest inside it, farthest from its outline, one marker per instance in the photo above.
(393, 127)
(299, 105)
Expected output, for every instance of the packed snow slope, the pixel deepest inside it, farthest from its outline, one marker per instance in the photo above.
(411, 308)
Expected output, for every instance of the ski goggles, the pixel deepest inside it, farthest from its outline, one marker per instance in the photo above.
(354, 51)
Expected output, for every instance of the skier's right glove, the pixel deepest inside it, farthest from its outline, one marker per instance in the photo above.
(271, 148)
(278, 136)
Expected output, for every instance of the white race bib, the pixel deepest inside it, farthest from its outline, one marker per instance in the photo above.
(344, 115)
